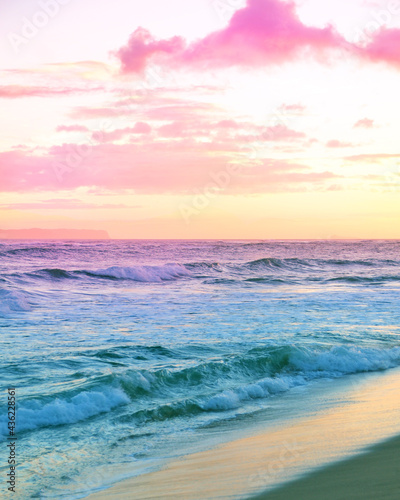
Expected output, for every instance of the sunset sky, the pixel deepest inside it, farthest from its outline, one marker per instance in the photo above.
(201, 118)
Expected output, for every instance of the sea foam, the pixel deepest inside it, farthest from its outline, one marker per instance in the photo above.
(150, 274)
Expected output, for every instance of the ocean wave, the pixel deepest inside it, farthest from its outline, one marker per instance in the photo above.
(307, 365)
(272, 271)
(271, 363)
(227, 384)
(146, 274)
(31, 251)
(343, 360)
(232, 399)
(291, 270)
(365, 279)
(212, 386)
(294, 263)
(162, 412)
(53, 273)
(273, 263)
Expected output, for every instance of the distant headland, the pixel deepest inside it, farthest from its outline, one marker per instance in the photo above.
(53, 234)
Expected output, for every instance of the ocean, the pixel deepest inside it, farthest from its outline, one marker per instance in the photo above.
(126, 354)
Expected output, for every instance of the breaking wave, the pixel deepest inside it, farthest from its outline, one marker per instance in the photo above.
(266, 270)
(216, 385)
(13, 301)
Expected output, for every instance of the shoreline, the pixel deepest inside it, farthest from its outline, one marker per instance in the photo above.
(263, 462)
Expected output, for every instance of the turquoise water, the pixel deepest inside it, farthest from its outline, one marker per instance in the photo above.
(123, 352)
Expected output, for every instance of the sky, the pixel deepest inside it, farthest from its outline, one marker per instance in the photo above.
(201, 119)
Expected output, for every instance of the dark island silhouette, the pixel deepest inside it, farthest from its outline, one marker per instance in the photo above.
(53, 234)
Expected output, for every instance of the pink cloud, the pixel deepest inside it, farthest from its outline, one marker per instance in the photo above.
(178, 118)
(83, 112)
(142, 46)
(177, 109)
(180, 129)
(263, 32)
(86, 70)
(281, 133)
(280, 175)
(144, 168)
(372, 158)
(183, 111)
(364, 123)
(151, 168)
(275, 133)
(71, 128)
(228, 131)
(227, 124)
(59, 204)
(384, 47)
(292, 108)
(334, 143)
(174, 129)
(114, 135)
(141, 128)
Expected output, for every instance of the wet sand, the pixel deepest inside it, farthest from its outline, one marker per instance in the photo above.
(373, 475)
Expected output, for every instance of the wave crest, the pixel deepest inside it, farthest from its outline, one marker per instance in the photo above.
(147, 274)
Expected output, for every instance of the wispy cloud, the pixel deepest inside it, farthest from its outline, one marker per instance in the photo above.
(364, 123)
(114, 135)
(335, 143)
(373, 157)
(148, 169)
(59, 204)
(71, 128)
(19, 91)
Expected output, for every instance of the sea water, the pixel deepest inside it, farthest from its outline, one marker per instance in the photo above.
(124, 353)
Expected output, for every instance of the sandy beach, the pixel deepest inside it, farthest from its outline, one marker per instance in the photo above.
(245, 467)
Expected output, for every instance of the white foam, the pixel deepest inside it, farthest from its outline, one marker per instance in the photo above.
(138, 379)
(34, 414)
(342, 360)
(12, 301)
(150, 274)
(227, 400)
(264, 388)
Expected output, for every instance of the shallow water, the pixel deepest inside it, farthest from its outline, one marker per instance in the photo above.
(122, 351)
